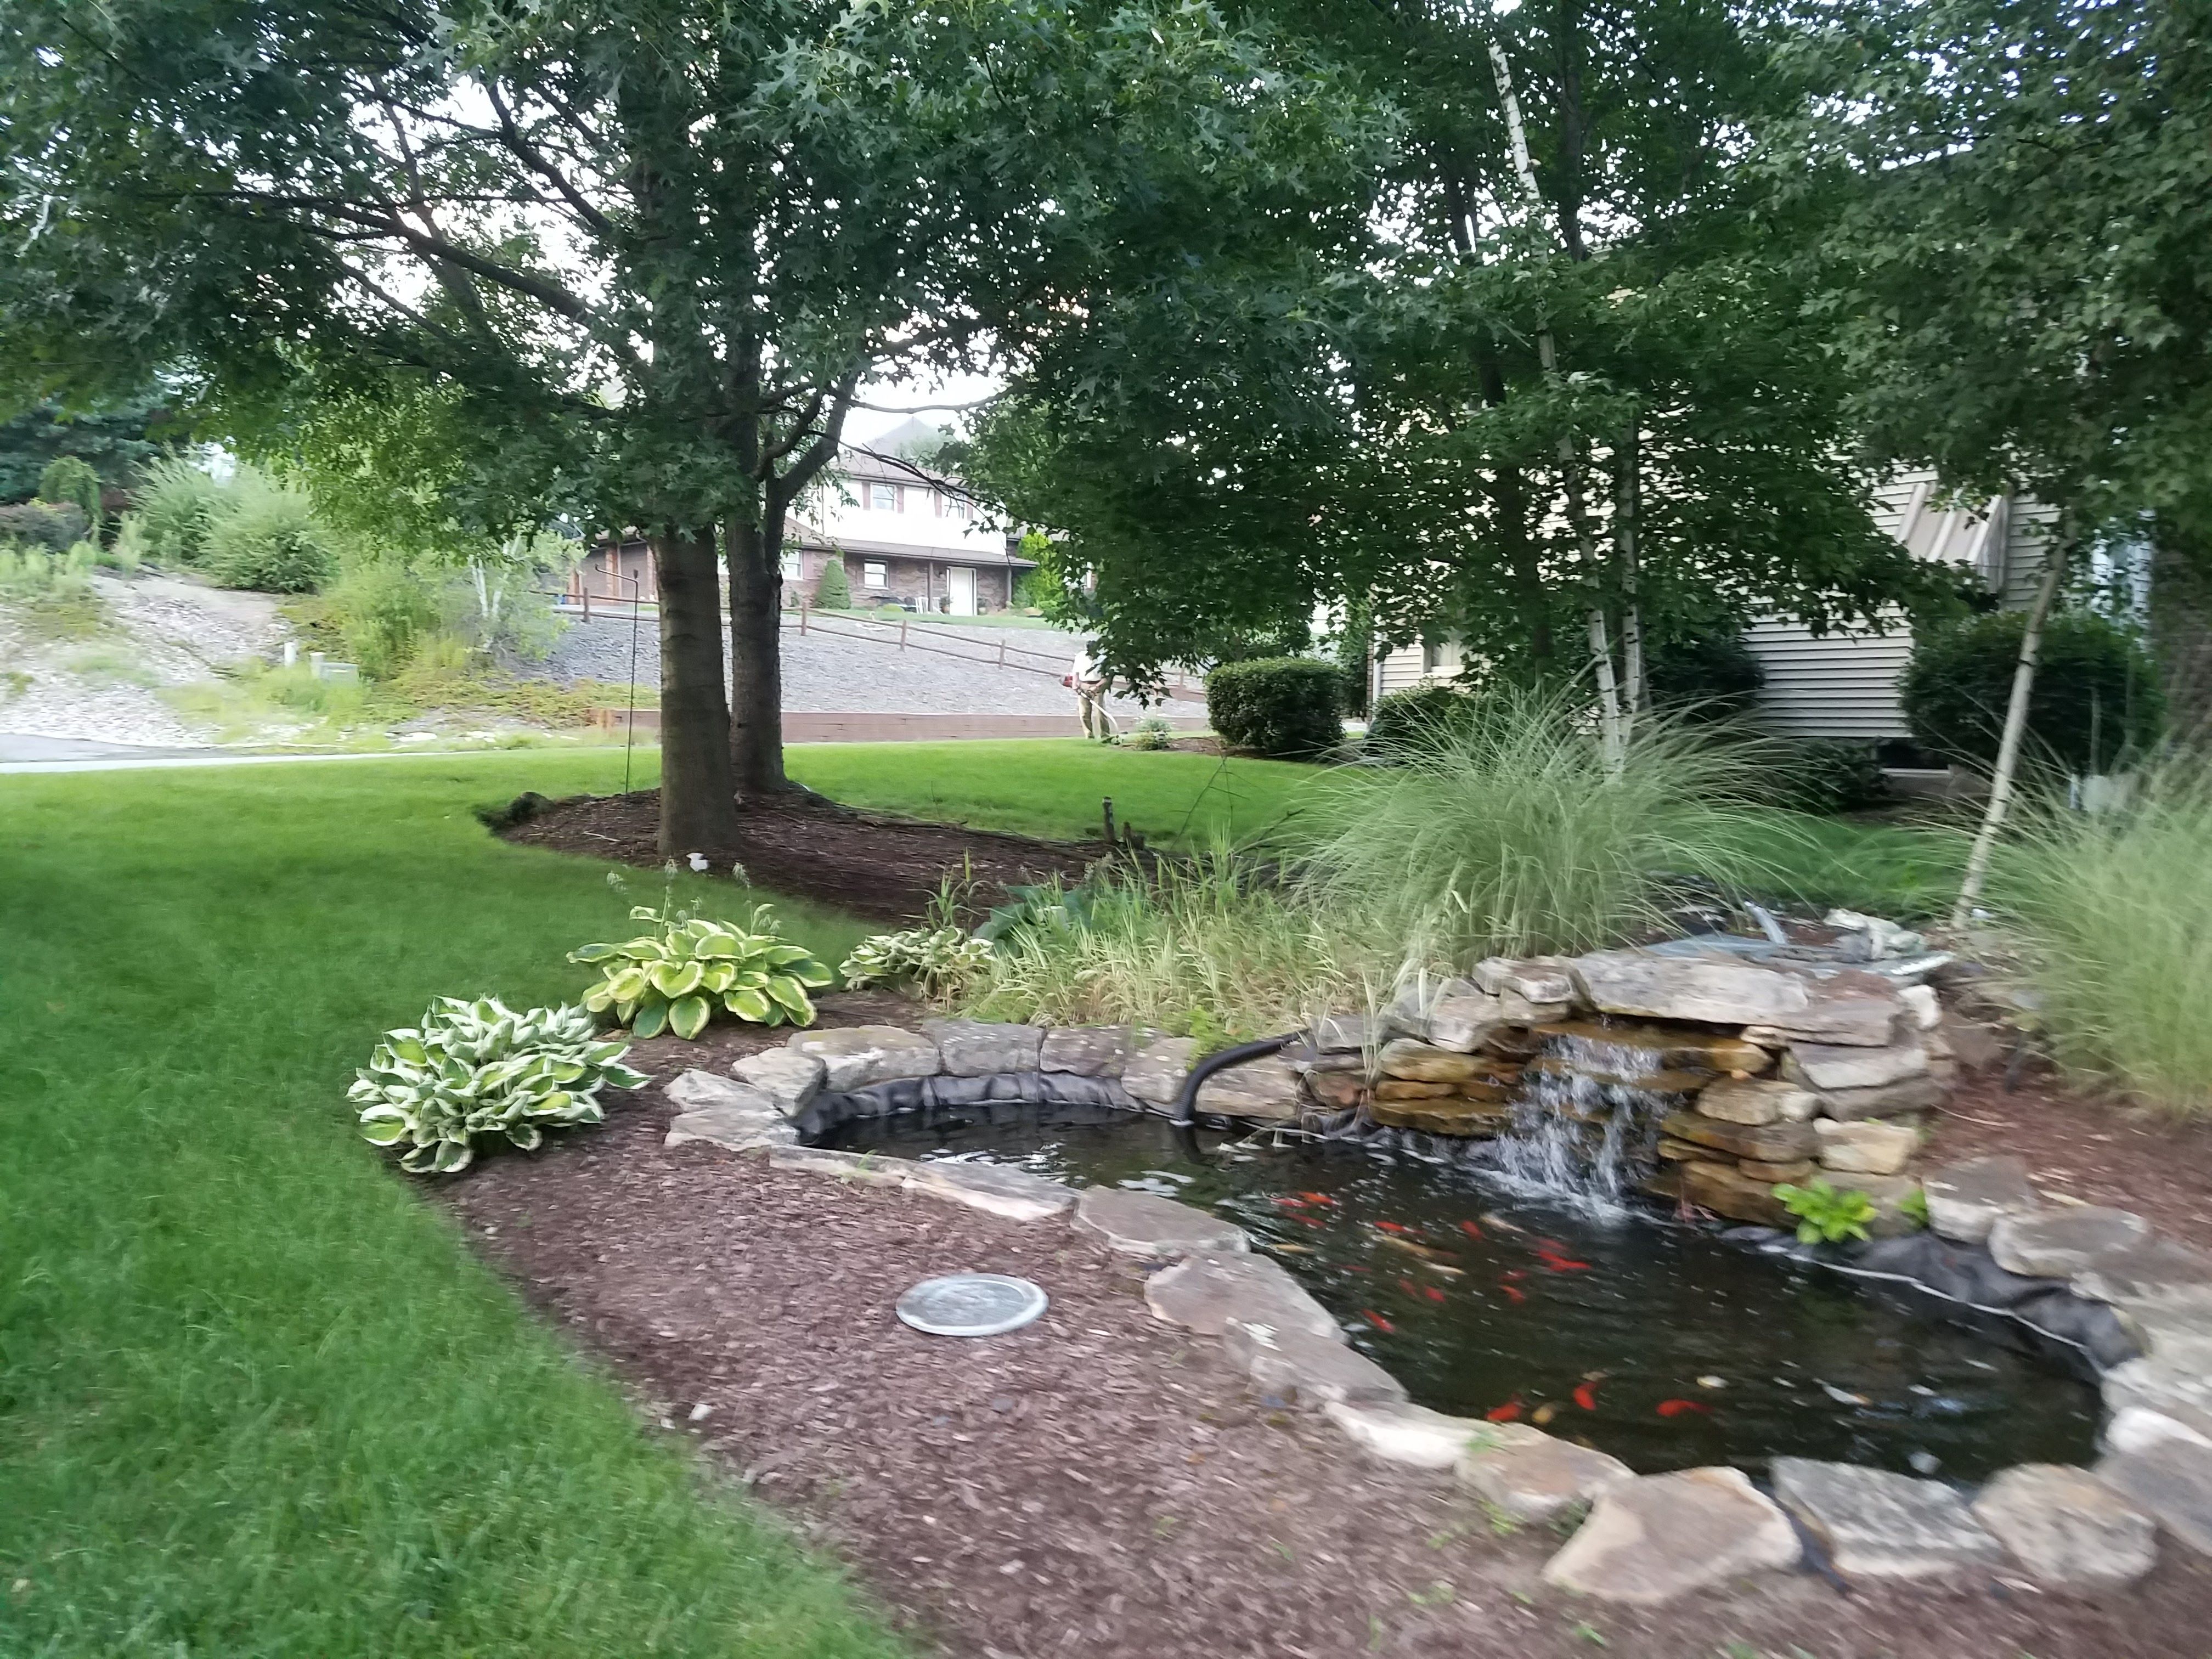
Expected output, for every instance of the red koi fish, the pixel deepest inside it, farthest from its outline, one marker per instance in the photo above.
(1563, 1264)
(1470, 1229)
(1319, 1198)
(1511, 1292)
(1676, 1407)
(1291, 1204)
(1409, 1287)
(1398, 1227)
(1432, 1293)
(1378, 1322)
(1586, 1395)
(1504, 1413)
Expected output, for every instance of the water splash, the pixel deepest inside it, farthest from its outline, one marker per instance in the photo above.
(1582, 1128)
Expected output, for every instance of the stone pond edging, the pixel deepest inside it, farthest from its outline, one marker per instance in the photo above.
(1641, 1538)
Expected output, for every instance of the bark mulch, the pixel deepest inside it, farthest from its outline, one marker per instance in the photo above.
(886, 869)
(1099, 1485)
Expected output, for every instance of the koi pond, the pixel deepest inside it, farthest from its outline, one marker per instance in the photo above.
(1663, 1344)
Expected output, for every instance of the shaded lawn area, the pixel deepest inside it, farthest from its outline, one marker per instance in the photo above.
(256, 1398)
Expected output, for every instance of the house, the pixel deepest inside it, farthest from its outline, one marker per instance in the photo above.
(1845, 684)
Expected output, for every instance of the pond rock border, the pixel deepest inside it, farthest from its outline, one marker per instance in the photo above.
(2139, 1307)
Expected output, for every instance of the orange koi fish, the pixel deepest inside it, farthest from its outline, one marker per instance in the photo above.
(1470, 1229)
(1513, 1293)
(1378, 1322)
(1586, 1395)
(1676, 1407)
(1504, 1413)
(1562, 1264)
(1319, 1198)
(1432, 1293)
(1290, 1203)
(1398, 1227)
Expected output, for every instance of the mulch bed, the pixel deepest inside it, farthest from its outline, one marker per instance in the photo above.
(1098, 1485)
(802, 844)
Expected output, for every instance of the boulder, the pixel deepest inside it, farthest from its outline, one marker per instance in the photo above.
(854, 1056)
(1405, 1088)
(1922, 1007)
(1155, 1073)
(1685, 1152)
(1865, 1148)
(1833, 1065)
(1336, 1091)
(1652, 1539)
(1452, 1114)
(862, 1168)
(994, 1189)
(2152, 1382)
(791, 1080)
(2060, 1242)
(697, 1092)
(1138, 1224)
(974, 1048)
(1532, 1477)
(1344, 1034)
(1084, 1050)
(2131, 1429)
(1964, 1200)
(2157, 1273)
(1858, 1009)
(2171, 1482)
(1411, 1436)
(1887, 1194)
(1623, 1073)
(1424, 1062)
(1770, 1143)
(1264, 1088)
(1207, 1292)
(2069, 1528)
(1305, 1370)
(1876, 1525)
(1914, 1094)
(1776, 1172)
(1717, 990)
(1726, 1190)
(1533, 979)
(1464, 1024)
(735, 1128)
(1656, 1047)
(1972, 1042)
(1755, 1101)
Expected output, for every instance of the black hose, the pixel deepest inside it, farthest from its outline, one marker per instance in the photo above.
(1185, 1112)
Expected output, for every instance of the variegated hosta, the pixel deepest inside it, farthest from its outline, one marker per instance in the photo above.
(675, 979)
(478, 1069)
(939, 963)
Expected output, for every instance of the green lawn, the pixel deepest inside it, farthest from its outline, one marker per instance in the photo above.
(255, 1397)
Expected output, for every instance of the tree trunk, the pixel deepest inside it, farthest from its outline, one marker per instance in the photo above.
(755, 556)
(698, 809)
(2015, 731)
(1627, 505)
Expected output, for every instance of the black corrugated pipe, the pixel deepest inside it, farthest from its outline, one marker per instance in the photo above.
(1186, 1105)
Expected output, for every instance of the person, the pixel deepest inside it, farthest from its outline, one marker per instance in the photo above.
(1089, 679)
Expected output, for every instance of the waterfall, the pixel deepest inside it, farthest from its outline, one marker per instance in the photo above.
(1583, 1121)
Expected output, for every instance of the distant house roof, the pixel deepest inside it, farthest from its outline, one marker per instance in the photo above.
(989, 558)
(856, 462)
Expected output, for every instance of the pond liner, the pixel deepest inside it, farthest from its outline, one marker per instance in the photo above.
(1965, 1275)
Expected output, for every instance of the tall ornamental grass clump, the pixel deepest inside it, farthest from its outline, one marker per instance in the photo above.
(2113, 914)
(1506, 830)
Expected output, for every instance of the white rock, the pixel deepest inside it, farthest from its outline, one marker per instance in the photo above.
(1411, 1435)
(995, 1188)
(1875, 1524)
(854, 1056)
(791, 1080)
(1659, 1536)
(696, 1091)
(2067, 1527)
(1715, 990)
(1534, 1477)
(1140, 1224)
(1837, 1065)
(2133, 1429)
(1864, 1148)
(1155, 1073)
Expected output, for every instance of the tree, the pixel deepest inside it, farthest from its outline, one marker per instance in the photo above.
(664, 241)
(116, 439)
(70, 478)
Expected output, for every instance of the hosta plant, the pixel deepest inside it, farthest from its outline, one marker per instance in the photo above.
(675, 977)
(481, 1068)
(1825, 1215)
(939, 963)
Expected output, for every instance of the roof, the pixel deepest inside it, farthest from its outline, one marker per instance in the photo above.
(805, 535)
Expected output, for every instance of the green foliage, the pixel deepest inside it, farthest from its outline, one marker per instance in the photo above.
(52, 593)
(1830, 774)
(677, 976)
(1153, 732)
(266, 537)
(2095, 704)
(833, 590)
(383, 611)
(177, 502)
(70, 479)
(939, 962)
(1826, 1215)
(1711, 675)
(1285, 708)
(481, 1068)
(1418, 717)
(2112, 914)
(115, 438)
(56, 528)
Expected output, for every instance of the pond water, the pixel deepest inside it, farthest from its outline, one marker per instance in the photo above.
(1662, 1344)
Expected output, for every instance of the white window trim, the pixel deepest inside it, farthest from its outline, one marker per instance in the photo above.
(874, 574)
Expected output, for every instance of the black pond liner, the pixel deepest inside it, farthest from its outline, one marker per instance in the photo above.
(2012, 1359)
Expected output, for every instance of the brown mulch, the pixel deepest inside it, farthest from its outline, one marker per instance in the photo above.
(2087, 1147)
(887, 869)
(1099, 1485)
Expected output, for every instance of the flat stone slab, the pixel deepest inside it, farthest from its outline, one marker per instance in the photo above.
(1635, 1048)
(1084, 1050)
(1304, 1370)
(1411, 1436)
(1770, 1143)
(2069, 1528)
(1753, 1102)
(1964, 1200)
(862, 1168)
(1155, 1073)
(2172, 1482)
(1207, 1293)
(1140, 1224)
(695, 1092)
(1532, 1477)
(1714, 990)
(1344, 1034)
(1726, 1190)
(2060, 1242)
(1875, 1524)
(976, 1048)
(994, 1189)
(1914, 1094)
(854, 1056)
(790, 1080)
(2158, 1273)
(1849, 1009)
(1267, 1088)
(1659, 1536)
(2181, 1392)
(1838, 1065)
(1536, 979)
(1865, 1148)
(738, 1128)
(1415, 1061)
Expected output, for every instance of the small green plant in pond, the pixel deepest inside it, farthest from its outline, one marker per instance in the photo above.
(1825, 1215)
(939, 962)
(675, 977)
(482, 1068)
(1913, 1207)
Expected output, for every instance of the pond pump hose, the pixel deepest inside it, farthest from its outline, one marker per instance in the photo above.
(1185, 1112)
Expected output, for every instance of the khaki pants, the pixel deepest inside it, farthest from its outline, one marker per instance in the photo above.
(1091, 695)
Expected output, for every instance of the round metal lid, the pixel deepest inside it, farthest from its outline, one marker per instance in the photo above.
(971, 1305)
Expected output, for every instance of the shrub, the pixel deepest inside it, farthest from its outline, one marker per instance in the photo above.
(674, 978)
(1153, 732)
(176, 502)
(57, 528)
(1712, 675)
(1508, 834)
(2112, 914)
(1285, 706)
(1416, 718)
(832, 589)
(480, 1068)
(939, 962)
(383, 612)
(266, 539)
(69, 479)
(51, 592)
(1827, 774)
(1825, 1215)
(2096, 700)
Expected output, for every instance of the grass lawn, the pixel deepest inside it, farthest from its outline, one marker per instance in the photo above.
(255, 1397)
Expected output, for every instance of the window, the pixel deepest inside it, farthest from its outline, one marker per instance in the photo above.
(875, 575)
(954, 507)
(793, 569)
(882, 497)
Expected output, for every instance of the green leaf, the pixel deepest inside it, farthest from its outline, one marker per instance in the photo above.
(675, 979)
(651, 1017)
(748, 1003)
(688, 1016)
(791, 993)
(594, 953)
(811, 972)
(628, 984)
(526, 1137)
